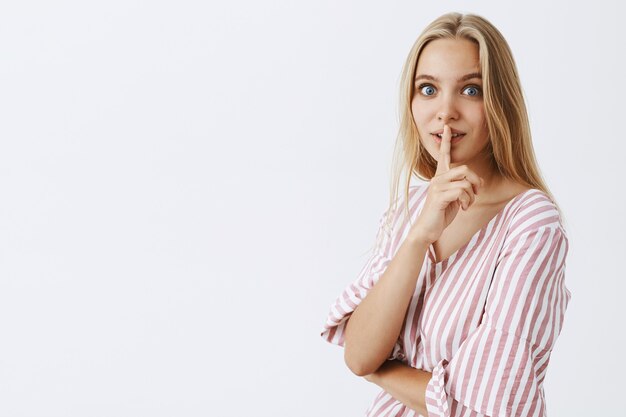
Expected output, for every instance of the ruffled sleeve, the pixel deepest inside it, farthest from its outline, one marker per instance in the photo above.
(345, 304)
(498, 371)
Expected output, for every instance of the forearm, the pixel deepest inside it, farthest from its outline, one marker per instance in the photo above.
(374, 326)
(404, 383)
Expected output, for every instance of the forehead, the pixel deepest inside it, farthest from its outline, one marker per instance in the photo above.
(448, 59)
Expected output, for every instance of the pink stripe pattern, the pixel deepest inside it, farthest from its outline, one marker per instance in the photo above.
(483, 321)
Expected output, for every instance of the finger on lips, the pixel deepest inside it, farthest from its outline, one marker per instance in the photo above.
(443, 164)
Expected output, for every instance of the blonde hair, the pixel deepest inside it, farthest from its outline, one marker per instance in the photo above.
(507, 119)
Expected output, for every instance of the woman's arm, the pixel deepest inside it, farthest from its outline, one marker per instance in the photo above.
(404, 383)
(374, 326)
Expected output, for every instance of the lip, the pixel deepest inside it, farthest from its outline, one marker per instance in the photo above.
(454, 140)
(452, 131)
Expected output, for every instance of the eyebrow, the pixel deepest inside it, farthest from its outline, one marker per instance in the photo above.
(463, 78)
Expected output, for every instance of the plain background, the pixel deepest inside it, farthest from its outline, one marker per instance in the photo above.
(185, 187)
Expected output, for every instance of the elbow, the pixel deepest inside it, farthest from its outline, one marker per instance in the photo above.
(356, 365)
(360, 361)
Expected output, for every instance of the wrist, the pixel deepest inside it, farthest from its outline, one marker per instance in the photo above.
(418, 241)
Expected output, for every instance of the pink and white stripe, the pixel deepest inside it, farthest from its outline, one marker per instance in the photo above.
(484, 321)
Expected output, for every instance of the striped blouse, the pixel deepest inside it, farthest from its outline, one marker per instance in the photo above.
(484, 321)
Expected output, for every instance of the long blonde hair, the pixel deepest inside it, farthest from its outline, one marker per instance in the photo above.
(507, 119)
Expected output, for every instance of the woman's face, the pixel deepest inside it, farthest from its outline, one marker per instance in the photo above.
(448, 90)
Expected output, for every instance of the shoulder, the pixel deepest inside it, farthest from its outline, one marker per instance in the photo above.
(534, 237)
(532, 211)
(403, 209)
(413, 196)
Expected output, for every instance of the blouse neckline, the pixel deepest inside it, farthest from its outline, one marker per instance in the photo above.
(431, 248)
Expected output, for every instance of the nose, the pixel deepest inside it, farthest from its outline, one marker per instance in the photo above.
(447, 110)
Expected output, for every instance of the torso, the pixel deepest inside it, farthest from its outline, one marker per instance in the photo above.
(467, 223)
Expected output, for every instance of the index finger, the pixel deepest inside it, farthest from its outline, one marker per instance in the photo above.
(443, 163)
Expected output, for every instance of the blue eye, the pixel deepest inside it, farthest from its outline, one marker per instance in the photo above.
(428, 90)
(475, 89)
(427, 87)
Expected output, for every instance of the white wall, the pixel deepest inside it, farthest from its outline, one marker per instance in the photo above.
(186, 187)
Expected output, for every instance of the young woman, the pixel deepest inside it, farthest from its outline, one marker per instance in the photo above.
(459, 307)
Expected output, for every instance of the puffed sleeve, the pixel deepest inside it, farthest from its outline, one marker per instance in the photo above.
(498, 371)
(345, 304)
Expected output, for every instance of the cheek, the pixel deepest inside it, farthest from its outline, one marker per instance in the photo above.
(418, 115)
(479, 116)
(422, 121)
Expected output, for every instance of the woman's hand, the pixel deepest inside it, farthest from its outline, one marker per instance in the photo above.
(449, 190)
